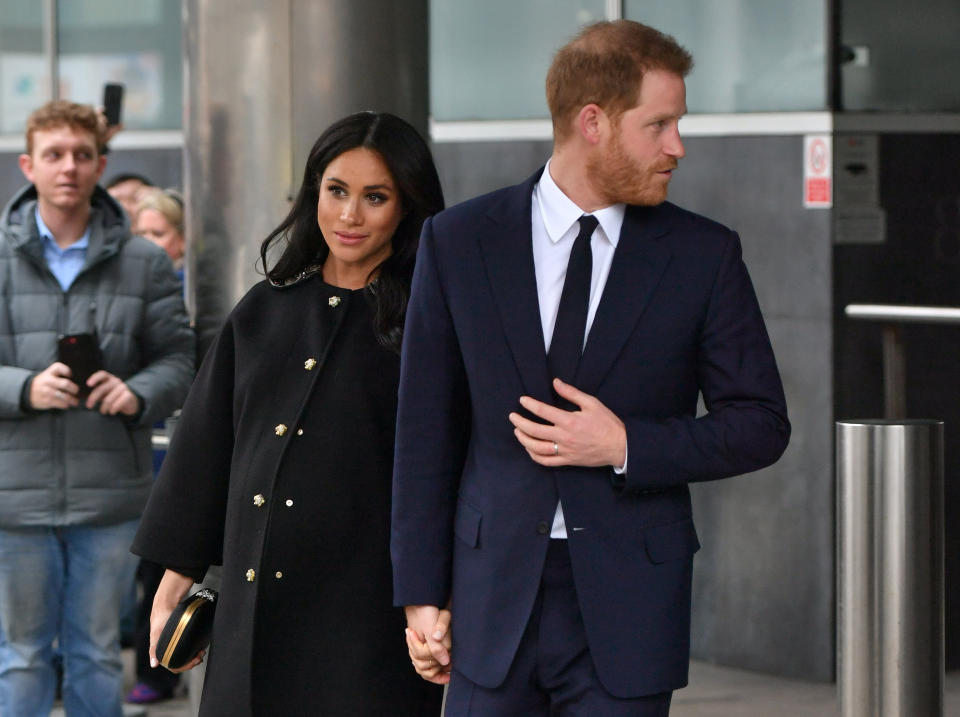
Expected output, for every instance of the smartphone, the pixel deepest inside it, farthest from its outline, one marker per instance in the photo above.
(81, 353)
(112, 102)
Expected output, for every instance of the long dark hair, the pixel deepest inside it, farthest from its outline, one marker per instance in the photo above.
(411, 165)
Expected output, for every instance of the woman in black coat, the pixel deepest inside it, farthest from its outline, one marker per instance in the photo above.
(280, 469)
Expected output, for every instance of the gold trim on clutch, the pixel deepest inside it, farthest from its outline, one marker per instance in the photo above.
(181, 626)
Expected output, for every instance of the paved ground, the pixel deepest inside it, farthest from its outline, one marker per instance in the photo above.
(724, 692)
(713, 692)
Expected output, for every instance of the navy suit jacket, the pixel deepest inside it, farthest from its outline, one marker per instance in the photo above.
(471, 510)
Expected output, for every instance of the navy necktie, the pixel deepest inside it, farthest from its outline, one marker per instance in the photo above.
(571, 325)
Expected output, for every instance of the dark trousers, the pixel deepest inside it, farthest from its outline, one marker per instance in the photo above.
(552, 674)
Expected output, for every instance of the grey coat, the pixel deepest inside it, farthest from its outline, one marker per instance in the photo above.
(79, 467)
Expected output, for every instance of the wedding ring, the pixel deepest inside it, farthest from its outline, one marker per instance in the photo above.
(556, 449)
(60, 395)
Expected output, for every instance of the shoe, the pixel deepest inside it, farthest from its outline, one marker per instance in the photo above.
(144, 694)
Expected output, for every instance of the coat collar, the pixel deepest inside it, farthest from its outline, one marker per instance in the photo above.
(507, 252)
(108, 226)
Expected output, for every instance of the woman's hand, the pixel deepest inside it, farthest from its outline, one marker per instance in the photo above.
(172, 589)
(429, 643)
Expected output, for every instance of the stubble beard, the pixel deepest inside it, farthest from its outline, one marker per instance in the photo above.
(619, 178)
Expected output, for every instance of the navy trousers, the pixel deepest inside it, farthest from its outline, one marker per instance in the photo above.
(552, 674)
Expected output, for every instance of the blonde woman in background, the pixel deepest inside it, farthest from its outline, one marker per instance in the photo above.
(159, 218)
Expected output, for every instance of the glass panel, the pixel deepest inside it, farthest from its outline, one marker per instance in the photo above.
(23, 73)
(135, 43)
(489, 60)
(750, 55)
(905, 58)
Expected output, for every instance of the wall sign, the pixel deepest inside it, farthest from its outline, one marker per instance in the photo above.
(817, 171)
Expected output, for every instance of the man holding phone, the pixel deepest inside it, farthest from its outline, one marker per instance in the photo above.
(95, 347)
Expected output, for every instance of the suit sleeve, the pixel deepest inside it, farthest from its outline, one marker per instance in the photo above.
(746, 426)
(433, 422)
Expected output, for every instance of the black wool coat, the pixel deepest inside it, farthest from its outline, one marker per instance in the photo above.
(280, 470)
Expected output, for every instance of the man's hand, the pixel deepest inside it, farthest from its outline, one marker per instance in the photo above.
(112, 394)
(107, 131)
(172, 589)
(52, 388)
(592, 436)
(429, 642)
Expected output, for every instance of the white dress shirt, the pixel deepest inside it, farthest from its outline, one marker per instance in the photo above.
(555, 227)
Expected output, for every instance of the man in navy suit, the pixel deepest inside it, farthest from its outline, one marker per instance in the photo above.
(558, 336)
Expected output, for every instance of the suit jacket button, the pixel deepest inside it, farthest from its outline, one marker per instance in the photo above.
(251, 575)
(280, 429)
(543, 528)
(259, 500)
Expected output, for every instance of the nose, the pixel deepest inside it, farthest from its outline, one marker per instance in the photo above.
(69, 162)
(351, 211)
(673, 145)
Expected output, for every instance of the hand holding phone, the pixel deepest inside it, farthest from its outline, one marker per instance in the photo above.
(81, 353)
(52, 389)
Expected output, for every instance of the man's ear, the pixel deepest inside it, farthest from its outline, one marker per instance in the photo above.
(26, 166)
(101, 165)
(592, 123)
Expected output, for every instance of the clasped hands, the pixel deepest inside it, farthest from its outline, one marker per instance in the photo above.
(428, 642)
(53, 389)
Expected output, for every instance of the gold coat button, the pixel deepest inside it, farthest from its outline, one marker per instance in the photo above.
(289, 503)
(309, 364)
(280, 429)
(251, 574)
(334, 301)
(259, 500)
(278, 575)
(299, 431)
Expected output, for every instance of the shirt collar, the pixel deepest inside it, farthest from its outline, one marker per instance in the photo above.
(47, 236)
(559, 212)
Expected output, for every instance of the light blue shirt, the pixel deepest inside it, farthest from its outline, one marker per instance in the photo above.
(64, 263)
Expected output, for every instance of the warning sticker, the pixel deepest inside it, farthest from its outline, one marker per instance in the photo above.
(817, 171)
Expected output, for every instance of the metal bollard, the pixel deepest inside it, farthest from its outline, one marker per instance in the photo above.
(890, 606)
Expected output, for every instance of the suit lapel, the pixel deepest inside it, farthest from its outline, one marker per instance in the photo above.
(507, 249)
(638, 264)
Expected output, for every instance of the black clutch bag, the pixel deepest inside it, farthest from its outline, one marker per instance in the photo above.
(187, 630)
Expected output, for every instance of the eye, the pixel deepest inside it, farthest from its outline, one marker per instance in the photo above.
(376, 198)
(337, 191)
